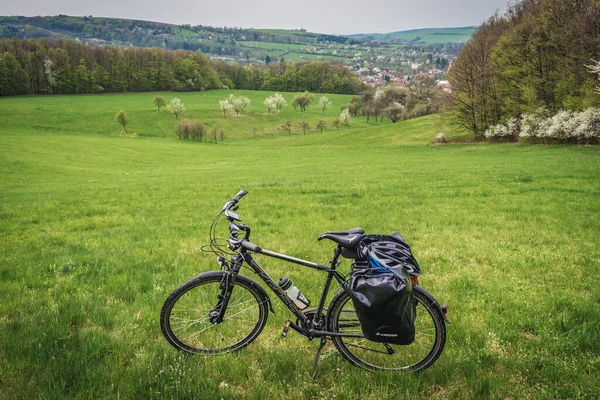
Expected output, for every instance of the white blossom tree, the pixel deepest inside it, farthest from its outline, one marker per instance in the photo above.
(238, 103)
(595, 69)
(225, 106)
(176, 107)
(280, 102)
(50, 72)
(276, 102)
(379, 94)
(270, 103)
(324, 103)
(345, 117)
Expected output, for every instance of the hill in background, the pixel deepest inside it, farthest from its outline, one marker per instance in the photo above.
(424, 36)
(398, 50)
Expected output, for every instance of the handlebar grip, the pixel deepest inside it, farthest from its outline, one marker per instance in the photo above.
(240, 194)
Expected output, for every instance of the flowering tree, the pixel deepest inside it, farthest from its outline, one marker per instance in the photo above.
(324, 103)
(50, 72)
(238, 103)
(280, 102)
(270, 103)
(225, 106)
(345, 117)
(176, 107)
(595, 69)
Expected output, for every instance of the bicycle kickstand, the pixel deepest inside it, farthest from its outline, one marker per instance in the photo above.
(321, 345)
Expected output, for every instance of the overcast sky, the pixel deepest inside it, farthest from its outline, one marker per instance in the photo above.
(323, 16)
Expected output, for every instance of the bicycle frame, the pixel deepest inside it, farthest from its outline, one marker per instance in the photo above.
(246, 248)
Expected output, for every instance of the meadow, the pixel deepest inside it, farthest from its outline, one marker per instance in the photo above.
(98, 227)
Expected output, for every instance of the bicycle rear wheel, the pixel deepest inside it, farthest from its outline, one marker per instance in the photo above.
(185, 318)
(430, 337)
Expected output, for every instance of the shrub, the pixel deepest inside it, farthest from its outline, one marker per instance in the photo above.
(194, 130)
(542, 127)
(507, 132)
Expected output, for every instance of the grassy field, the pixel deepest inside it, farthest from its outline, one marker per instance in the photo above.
(97, 228)
(428, 35)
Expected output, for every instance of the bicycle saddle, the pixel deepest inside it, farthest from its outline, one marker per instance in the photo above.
(348, 239)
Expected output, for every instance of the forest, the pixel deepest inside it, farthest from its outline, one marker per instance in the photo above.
(41, 66)
(532, 62)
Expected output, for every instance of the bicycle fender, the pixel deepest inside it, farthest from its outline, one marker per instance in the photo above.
(261, 290)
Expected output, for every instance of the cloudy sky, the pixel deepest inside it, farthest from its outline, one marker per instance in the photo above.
(324, 16)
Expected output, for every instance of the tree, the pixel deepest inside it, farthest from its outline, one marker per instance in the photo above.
(475, 85)
(287, 127)
(336, 123)
(194, 130)
(225, 106)
(275, 102)
(345, 117)
(324, 103)
(159, 101)
(270, 103)
(304, 126)
(394, 112)
(122, 119)
(302, 100)
(280, 102)
(321, 125)
(176, 107)
(595, 69)
(238, 103)
(50, 73)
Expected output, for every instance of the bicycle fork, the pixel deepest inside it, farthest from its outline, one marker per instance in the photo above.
(217, 314)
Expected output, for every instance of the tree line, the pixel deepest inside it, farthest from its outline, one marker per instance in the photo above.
(536, 55)
(62, 66)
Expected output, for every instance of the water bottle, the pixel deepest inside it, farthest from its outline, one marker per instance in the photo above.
(294, 293)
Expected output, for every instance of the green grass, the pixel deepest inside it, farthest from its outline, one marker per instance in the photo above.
(94, 114)
(277, 46)
(97, 229)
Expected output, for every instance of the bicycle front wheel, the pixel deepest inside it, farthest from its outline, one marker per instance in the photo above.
(186, 320)
(430, 337)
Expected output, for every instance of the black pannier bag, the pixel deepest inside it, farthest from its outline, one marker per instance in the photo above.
(382, 291)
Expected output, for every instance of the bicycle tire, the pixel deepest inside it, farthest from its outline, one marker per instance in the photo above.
(185, 321)
(430, 337)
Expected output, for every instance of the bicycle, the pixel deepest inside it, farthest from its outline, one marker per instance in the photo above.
(223, 311)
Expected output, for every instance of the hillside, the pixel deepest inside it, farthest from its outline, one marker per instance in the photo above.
(423, 36)
(246, 46)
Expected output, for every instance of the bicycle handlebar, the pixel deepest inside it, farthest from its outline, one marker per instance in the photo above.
(234, 201)
(240, 194)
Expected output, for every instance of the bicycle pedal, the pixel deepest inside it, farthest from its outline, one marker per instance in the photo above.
(286, 328)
